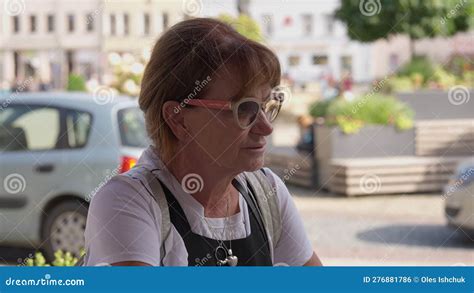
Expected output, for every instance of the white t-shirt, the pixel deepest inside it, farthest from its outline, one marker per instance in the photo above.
(124, 222)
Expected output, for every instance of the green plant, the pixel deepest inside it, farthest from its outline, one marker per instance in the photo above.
(319, 108)
(76, 83)
(376, 109)
(37, 261)
(349, 125)
(459, 65)
(244, 25)
(418, 67)
(468, 79)
(400, 84)
(61, 259)
(443, 78)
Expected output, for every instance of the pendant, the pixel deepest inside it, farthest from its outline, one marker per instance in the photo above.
(232, 260)
(228, 260)
(221, 255)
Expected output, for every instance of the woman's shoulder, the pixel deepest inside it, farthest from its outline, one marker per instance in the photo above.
(283, 195)
(123, 192)
(122, 214)
(278, 187)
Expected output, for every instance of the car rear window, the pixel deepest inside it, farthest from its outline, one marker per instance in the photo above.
(132, 128)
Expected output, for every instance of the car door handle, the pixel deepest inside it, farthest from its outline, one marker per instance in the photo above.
(44, 168)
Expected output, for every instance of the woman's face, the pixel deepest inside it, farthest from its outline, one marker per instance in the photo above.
(217, 138)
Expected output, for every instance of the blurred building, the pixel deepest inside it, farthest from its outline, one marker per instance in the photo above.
(387, 56)
(47, 40)
(50, 39)
(309, 41)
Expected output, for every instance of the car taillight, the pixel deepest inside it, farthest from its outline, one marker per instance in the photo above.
(127, 163)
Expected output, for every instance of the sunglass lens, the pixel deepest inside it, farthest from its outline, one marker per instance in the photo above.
(272, 109)
(247, 113)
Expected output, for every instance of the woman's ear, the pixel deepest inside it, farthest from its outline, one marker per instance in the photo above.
(173, 116)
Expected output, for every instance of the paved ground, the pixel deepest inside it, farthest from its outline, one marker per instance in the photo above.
(382, 230)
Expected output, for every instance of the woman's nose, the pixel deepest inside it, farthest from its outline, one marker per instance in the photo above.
(262, 126)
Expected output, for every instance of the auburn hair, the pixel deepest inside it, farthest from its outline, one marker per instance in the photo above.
(190, 52)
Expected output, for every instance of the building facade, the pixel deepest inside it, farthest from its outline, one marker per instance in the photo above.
(47, 40)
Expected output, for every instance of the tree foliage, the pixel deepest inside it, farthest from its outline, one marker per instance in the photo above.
(369, 20)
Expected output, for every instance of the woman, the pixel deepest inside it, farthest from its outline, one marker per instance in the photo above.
(208, 97)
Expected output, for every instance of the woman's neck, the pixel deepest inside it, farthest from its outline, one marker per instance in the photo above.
(210, 184)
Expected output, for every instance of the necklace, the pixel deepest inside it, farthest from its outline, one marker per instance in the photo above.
(224, 255)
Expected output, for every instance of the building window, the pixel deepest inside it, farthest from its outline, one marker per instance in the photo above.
(165, 20)
(71, 23)
(307, 24)
(90, 22)
(113, 24)
(267, 20)
(320, 59)
(50, 23)
(294, 60)
(16, 24)
(146, 24)
(33, 23)
(126, 24)
(346, 63)
(329, 19)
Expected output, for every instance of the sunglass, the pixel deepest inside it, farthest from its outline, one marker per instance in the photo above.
(245, 110)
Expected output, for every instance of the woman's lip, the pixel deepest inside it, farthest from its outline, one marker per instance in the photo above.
(256, 147)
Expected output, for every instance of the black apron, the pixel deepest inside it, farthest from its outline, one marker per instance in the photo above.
(253, 250)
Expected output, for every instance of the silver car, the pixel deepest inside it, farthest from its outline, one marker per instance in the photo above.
(459, 195)
(56, 150)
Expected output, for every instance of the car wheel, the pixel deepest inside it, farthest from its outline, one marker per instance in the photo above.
(64, 229)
